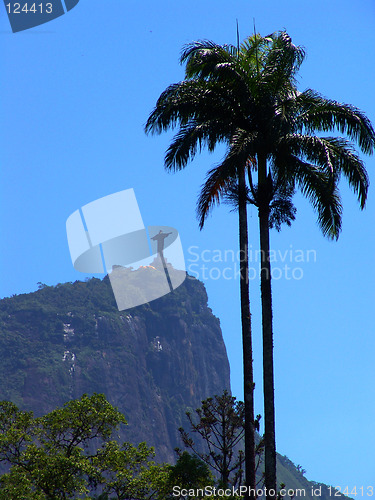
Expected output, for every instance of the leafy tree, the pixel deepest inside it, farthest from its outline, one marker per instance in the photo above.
(247, 97)
(17, 484)
(16, 431)
(57, 456)
(190, 472)
(129, 473)
(220, 424)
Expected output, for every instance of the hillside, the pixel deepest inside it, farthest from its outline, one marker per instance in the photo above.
(153, 362)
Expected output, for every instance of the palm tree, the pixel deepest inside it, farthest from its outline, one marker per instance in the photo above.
(247, 97)
(276, 125)
(203, 112)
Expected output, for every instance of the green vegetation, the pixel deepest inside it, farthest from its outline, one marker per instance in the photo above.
(71, 453)
(190, 472)
(219, 423)
(36, 329)
(68, 453)
(60, 342)
(32, 329)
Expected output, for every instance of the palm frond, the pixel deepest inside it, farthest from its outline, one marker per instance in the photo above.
(281, 63)
(346, 161)
(218, 180)
(321, 114)
(335, 156)
(203, 58)
(190, 139)
(177, 104)
(282, 211)
(226, 65)
(194, 99)
(321, 192)
(232, 196)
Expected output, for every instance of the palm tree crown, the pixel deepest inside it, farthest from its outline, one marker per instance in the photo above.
(247, 98)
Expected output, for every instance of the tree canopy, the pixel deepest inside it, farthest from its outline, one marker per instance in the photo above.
(69, 453)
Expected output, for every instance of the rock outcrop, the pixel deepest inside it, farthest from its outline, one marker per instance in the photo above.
(153, 362)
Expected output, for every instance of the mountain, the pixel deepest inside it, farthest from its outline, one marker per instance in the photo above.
(153, 362)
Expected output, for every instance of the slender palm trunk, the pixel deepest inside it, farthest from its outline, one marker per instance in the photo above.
(246, 341)
(266, 297)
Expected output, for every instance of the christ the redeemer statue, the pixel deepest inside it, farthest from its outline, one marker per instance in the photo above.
(160, 237)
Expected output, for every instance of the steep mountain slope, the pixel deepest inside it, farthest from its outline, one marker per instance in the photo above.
(152, 362)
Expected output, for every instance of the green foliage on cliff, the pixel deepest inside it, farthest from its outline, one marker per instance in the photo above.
(36, 328)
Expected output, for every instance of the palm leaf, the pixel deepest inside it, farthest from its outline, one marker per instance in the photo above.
(320, 114)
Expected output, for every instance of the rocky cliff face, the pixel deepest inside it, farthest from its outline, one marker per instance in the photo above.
(153, 362)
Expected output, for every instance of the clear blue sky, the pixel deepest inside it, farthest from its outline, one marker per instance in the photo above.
(75, 95)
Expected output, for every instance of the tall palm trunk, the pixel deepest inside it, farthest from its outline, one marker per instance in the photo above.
(246, 340)
(266, 297)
